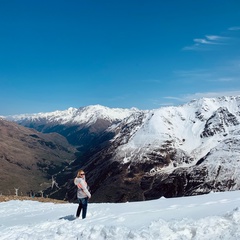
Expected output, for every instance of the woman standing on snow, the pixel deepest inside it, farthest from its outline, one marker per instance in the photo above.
(82, 193)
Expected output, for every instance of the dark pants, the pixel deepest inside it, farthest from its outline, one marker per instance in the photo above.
(83, 202)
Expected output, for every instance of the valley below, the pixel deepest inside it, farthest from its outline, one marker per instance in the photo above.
(127, 154)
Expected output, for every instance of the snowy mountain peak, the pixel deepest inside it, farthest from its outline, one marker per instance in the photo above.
(170, 151)
(94, 112)
(87, 115)
(194, 129)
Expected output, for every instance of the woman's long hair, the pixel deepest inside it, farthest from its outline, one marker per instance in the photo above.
(79, 173)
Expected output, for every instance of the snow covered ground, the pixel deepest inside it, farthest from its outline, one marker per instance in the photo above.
(213, 216)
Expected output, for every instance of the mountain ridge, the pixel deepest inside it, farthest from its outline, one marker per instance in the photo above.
(77, 115)
(171, 151)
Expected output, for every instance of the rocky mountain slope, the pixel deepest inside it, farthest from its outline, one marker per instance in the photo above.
(171, 151)
(28, 158)
(84, 127)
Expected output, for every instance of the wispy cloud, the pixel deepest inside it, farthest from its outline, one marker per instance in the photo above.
(152, 81)
(227, 71)
(174, 98)
(188, 97)
(218, 39)
(160, 103)
(202, 41)
(184, 98)
(196, 74)
(225, 79)
(208, 40)
(234, 29)
(219, 74)
(211, 39)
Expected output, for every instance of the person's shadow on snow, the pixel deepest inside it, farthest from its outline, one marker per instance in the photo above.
(69, 218)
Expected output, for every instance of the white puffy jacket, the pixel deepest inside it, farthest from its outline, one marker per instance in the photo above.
(82, 191)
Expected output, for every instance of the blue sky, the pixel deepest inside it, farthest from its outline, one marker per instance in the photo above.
(58, 54)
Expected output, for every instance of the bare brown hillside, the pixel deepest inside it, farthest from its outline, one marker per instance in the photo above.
(28, 158)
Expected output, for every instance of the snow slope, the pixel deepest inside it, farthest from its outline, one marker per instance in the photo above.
(213, 216)
(183, 128)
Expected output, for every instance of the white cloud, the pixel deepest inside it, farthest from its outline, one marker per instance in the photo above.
(201, 43)
(234, 29)
(225, 79)
(227, 71)
(217, 39)
(193, 47)
(194, 74)
(213, 37)
(158, 102)
(152, 81)
(189, 97)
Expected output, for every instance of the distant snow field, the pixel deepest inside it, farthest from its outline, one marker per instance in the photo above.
(213, 216)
